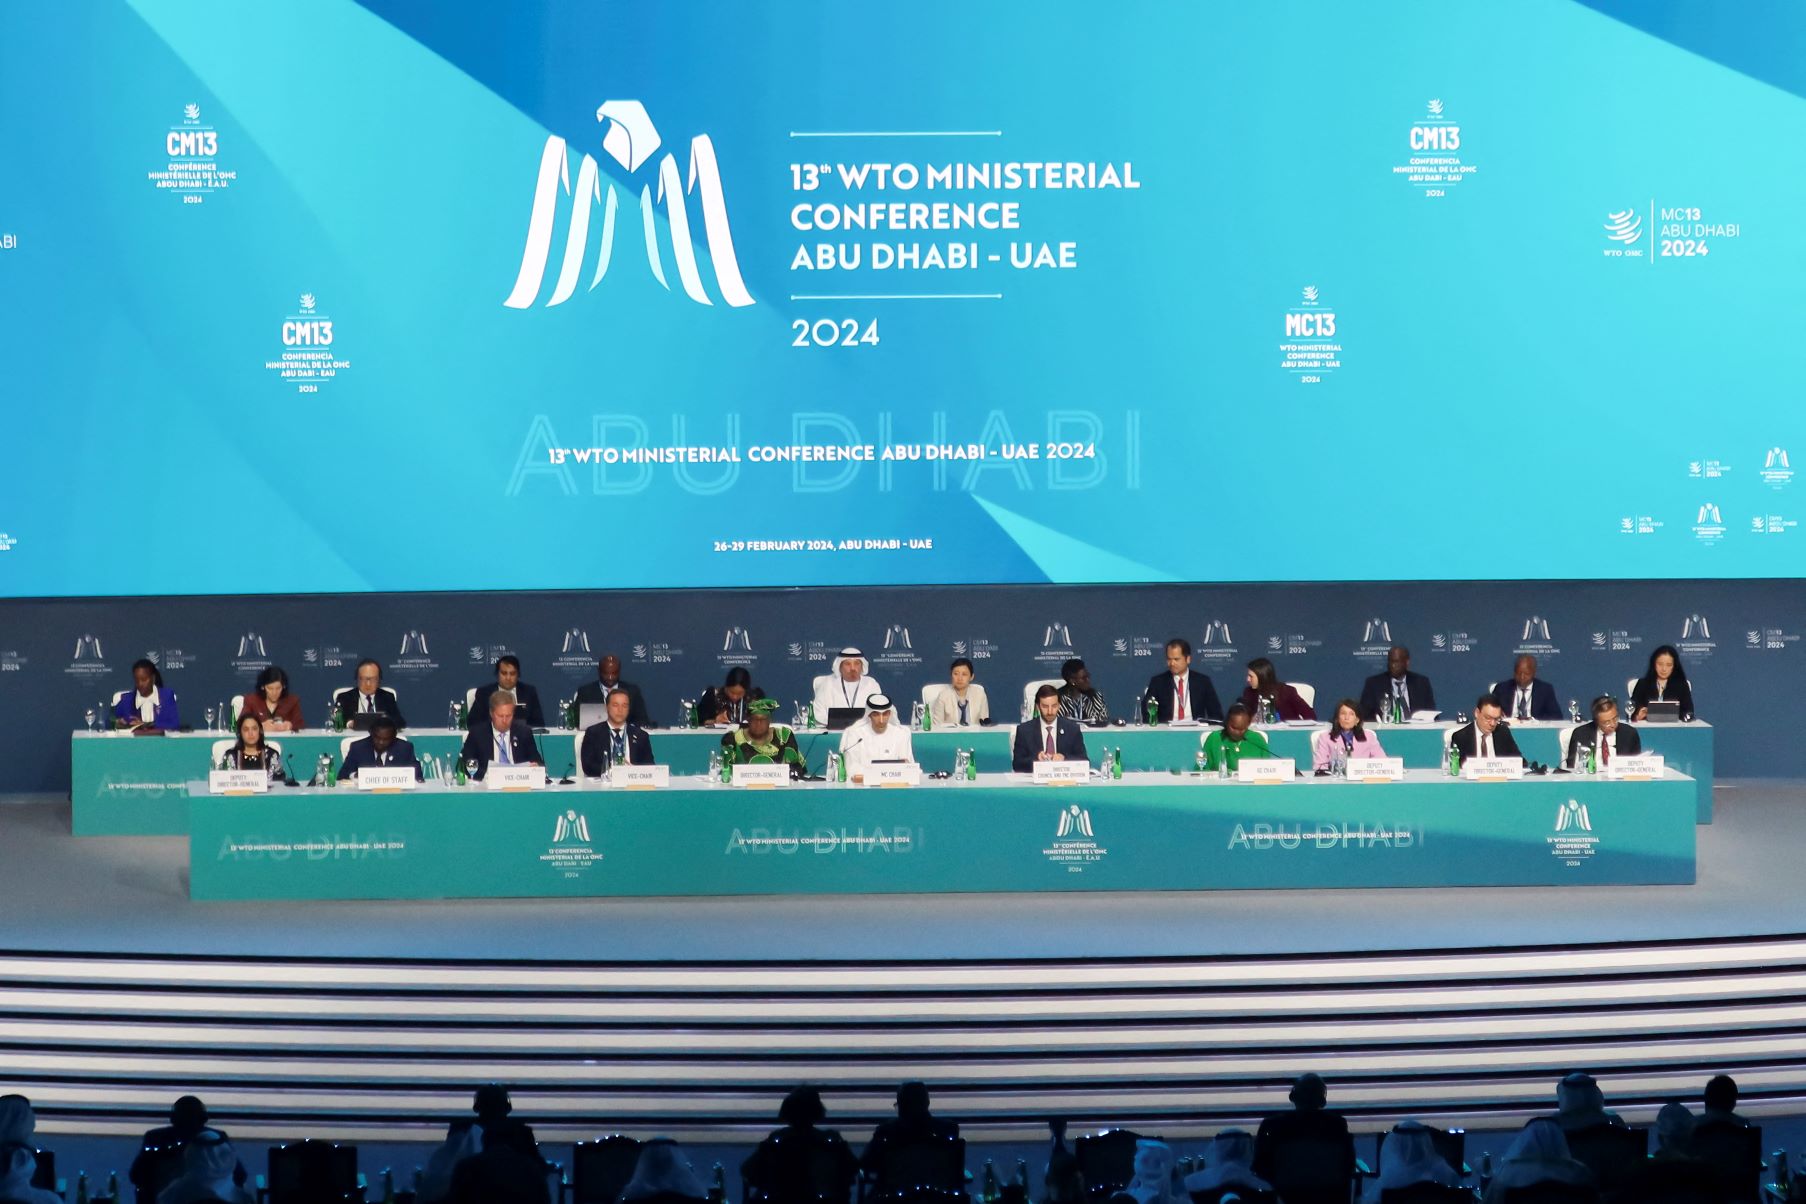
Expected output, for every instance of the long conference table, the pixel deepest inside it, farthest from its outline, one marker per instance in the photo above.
(123, 785)
(1002, 832)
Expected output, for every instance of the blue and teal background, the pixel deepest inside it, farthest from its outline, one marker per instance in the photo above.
(1508, 394)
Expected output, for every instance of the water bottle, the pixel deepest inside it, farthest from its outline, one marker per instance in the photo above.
(1021, 1179)
(81, 1188)
(714, 766)
(1454, 760)
(1485, 1170)
(809, 717)
(927, 717)
(1592, 759)
(388, 1186)
(990, 1191)
(113, 1186)
(1152, 711)
(971, 765)
(1116, 764)
(1338, 761)
(332, 776)
(694, 713)
(1222, 765)
(1782, 1173)
(959, 764)
(840, 768)
(727, 771)
(718, 1188)
(459, 775)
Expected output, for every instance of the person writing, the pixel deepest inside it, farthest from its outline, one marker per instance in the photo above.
(1347, 734)
(272, 701)
(1227, 746)
(1047, 736)
(726, 703)
(761, 742)
(1664, 681)
(1607, 735)
(965, 703)
(1264, 686)
(249, 751)
(149, 706)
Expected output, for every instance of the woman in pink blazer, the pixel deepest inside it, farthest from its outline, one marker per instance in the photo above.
(1346, 730)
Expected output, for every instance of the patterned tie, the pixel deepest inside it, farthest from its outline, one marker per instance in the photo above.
(620, 746)
(1605, 749)
(501, 749)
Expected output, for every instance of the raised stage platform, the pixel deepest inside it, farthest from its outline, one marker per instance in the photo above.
(1181, 1011)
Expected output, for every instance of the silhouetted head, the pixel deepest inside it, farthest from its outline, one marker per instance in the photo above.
(802, 1107)
(491, 1103)
(188, 1114)
(912, 1100)
(1309, 1093)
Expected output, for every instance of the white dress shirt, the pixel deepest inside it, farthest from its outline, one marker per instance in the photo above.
(861, 745)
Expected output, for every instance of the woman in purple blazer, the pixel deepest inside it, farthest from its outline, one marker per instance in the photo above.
(1264, 683)
(1347, 732)
(149, 704)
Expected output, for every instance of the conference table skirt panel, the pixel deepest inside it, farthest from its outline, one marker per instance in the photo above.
(138, 786)
(1145, 832)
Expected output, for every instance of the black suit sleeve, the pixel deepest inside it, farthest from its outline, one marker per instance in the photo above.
(535, 716)
(636, 707)
(529, 748)
(1209, 706)
(593, 750)
(1022, 754)
(1630, 743)
(1370, 699)
(1504, 744)
(1423, 695)
(1075, 751)
(639, 749)
(477, 746)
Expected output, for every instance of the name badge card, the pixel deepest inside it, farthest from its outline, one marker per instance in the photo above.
(386, 777)
(1376, 769)
(640, 777)
(1492, 769)
(1062, 773)
(238, 781)
(905, 774)
(1267, 770)
(1635, 769)
(515, 777)
(761, 777)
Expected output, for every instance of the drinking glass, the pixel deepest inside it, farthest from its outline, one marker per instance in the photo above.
(209, 714)
(471, 765)
(89, 715)
(1199, 758)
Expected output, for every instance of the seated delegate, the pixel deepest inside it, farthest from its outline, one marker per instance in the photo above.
(149, 706)
(369, 696)
(761, 742)
(508, 684)
(1081, 701)
(1226, 747)
(617, 740)
(1047, 736)
(1182, 694)
(1411, 691)
(1663, 681)
(1264, 686)
(726, 703)
(963, 703)
(249, 751)
(1346, 733)
(501, 739)
(1607, 735)
(271, 700)
(381, 749)
(1488, 735)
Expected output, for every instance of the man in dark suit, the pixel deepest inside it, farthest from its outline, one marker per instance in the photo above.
(1608, 734)
(380, 748)
(617, 740)
(914, 1125)
(1412, 689)
(503, 739)
(187, 1120)
(1526, 696)
(1488, 735)
(1312, 1128)
(507, 681)
(369, 697)
(608, 680)
(1182, 692)
(1049, 736)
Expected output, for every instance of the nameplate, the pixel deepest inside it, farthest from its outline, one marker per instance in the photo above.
(515, 777)
(386, 777)
(1062, 773)
(906, 774)
(1492, 769)
(1376, 769)
(1267, 770)
(761, 777)
(238, 781)
(1635, 769)
(640, 777)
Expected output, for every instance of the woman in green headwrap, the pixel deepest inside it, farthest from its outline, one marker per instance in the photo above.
(760, 743)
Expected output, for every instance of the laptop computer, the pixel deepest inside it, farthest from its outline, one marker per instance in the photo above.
(1667, 711)
(589, 714)
(841, 718)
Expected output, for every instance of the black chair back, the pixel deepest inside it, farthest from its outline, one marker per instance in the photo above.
(44, 1177)
(1426, 1193)
(1244, 1196)
(1735, 1153)
(601, 1168)
(1451, 1146)
(1311, 1170)
(920, 1167)
(1107, 1160)
(313, 1172)
(1611, 1152)
(158, 1167)
(1551, 1193)
(812, 1168)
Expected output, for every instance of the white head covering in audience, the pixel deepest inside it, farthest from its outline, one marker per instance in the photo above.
(17, 1121)
(1409, 1156)
(1153, 1181)
(1538, 1154)
(1228, 1162)
(662, 1170)
(16, 1168)
(207, 1165)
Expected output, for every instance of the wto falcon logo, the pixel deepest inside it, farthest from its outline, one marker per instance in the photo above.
(1439, 642)
(796, 650)
(576, 640)
(897, 637)
(1074, 821)
(737, 639)
(413, 643)
(1624, 227)
(1435, 108)
(1572, 816)
(959, 648)
(571, 826)
(87, 648)
(631, 140)
(154, 657)
(1310, 292)
(1120, 647)
(191, 112)
(1694, 626)
(308, 302)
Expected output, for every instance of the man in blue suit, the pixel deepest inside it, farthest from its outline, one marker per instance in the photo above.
(500, 739)
(507, 681)
(1524, 695)
(1049, 736)
(616, 740)
(379, 749)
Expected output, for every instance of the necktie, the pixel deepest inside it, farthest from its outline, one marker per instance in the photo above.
(1486, 744)
(1605, 749)
(1050, 741)
(369, 703)
(620, 746)
(1178, 698)
(1404, 699)
(963, 721)
(501, 749)
(1524, 702)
